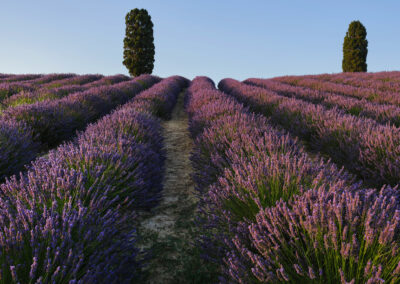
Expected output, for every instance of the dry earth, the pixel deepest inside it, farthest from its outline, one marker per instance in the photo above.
(167, 230)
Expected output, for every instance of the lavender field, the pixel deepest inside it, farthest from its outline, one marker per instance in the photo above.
(113, 179)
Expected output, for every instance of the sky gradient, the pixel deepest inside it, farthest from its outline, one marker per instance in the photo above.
(219, 39)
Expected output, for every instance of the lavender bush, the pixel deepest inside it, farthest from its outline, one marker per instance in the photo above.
(17, 146)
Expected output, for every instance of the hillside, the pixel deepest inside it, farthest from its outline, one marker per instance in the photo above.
(112, 179)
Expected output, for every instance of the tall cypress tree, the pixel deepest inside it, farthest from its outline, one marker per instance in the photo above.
(139, 43)
(355, 48)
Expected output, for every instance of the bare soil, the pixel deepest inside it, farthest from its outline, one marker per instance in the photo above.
(167, 229)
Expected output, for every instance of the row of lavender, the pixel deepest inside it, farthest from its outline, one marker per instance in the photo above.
(20, 77)
(362, 92)
(388, 76)
(33, 78)
(28, 130)
(69, 218)
(362, 145)
(9, 88)
(381, 113)
(383, 81)
(271, 213)
(16, 93)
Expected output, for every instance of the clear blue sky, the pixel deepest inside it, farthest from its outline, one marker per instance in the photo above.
(219, 38)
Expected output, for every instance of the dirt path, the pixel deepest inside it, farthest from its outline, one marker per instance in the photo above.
(168, 229)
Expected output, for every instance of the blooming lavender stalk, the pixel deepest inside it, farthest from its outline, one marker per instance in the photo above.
(335, 237)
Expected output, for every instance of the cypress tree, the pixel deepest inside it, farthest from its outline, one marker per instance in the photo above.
(139, 43)
(355, 48)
